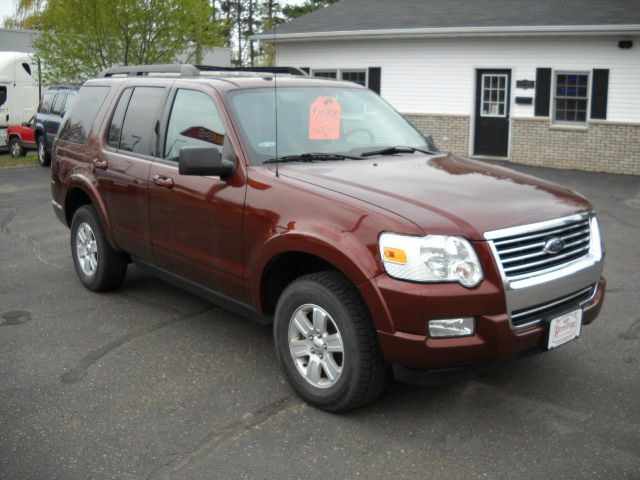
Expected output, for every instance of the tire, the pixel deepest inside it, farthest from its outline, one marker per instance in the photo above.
(362, 372)
(16, 148)
(43, 157)
(99, 267)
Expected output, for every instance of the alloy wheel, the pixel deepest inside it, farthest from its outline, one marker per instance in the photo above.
(86, 249)
(316, 346)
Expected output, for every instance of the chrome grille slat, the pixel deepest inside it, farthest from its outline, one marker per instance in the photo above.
(524, 247)
(537, 254)
(546, 233)
(522, 256)
(546, 260)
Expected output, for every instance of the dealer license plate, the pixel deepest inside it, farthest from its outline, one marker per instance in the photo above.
(564, 328)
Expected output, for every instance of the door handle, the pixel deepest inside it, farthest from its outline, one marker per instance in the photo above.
(163, 181)
(101, 164)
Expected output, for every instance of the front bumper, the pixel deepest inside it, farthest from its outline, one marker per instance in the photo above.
(493, 341)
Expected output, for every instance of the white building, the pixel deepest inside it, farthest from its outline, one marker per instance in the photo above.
(553, 83)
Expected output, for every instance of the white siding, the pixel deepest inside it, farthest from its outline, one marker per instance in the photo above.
(17, 40)
(436, 76)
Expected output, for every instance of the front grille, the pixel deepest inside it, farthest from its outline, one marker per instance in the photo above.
(524, 255)
(532, 315)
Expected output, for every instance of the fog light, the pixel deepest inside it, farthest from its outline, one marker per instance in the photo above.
(452, 327)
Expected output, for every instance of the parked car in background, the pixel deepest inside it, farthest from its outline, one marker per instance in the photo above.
(368, 249)
(18, 91)
(21, 138)
(56, 101)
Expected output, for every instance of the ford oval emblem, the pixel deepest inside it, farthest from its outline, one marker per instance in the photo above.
(553, 245)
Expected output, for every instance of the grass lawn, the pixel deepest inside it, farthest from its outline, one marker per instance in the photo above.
(7, 161)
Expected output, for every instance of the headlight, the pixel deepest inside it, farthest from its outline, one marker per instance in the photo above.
(434, 258)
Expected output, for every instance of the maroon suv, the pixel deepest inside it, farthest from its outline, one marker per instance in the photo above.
(314, 205)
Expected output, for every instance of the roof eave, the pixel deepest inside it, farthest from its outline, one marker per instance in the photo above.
(518, 31)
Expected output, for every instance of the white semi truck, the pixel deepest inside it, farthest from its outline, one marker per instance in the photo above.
(19, 95)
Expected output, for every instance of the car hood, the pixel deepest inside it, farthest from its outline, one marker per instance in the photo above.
(444, 194)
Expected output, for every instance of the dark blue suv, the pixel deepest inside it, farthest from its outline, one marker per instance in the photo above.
(55, 102)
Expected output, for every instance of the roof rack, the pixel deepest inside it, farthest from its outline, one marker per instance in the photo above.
(187, 70)
(183, 69)
(289, 70)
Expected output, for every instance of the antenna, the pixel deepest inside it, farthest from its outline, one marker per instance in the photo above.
(275, 90)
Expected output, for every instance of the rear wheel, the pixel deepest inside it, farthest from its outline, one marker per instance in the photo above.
(16, 148)
(43, 156)
(327, 344)
(99, 267)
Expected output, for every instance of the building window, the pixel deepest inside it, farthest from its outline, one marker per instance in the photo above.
(355, 76)
(494, 95)
(325, 73)
(571, 97)
(349, 75)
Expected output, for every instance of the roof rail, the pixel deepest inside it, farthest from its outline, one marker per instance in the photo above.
(69, 86)
(289, 70)
(183, 69)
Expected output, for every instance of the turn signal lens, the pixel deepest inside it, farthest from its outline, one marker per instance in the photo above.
(395, 255)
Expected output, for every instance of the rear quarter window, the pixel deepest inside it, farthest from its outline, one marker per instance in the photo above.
(82, 115)
(45, 104)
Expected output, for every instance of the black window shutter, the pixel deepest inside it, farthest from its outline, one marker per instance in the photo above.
(306, 69)
(599, 89)
(374, 79)
(543, 92)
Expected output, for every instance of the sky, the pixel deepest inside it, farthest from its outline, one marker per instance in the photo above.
(7, 7)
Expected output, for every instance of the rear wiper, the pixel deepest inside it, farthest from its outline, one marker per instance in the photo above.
(310, 157)
(392, 150)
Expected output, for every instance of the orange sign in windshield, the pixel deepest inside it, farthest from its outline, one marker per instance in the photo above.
(324, 119)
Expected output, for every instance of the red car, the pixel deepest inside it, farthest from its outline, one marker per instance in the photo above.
(20, 138)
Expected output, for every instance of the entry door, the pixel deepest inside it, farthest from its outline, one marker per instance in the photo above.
(493, 90)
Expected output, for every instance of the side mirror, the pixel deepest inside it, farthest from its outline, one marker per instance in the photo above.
(204, 161)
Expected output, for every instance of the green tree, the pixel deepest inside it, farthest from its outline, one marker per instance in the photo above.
(26, 16)
(79, 38)
(295, 11)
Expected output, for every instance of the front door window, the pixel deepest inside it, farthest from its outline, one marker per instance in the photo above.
(494, 95)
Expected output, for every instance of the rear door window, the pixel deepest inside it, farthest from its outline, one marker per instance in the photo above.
(194, 121)
(58, 104)
(47, 100)
(83, 114)
(138, 134)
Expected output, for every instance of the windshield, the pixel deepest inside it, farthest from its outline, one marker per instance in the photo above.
(329, 120)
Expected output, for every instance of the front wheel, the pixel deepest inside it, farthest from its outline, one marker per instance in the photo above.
(43, 156)
(16, 148)
(99, 267)
(327, 344)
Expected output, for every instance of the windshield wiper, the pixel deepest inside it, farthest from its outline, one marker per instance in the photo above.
(392, 150)
(310, 157)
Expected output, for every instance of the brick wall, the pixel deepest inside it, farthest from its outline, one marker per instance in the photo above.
(601, 147)
(451, 133)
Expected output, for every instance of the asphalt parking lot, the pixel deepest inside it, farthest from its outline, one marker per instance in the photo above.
(150, 382)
